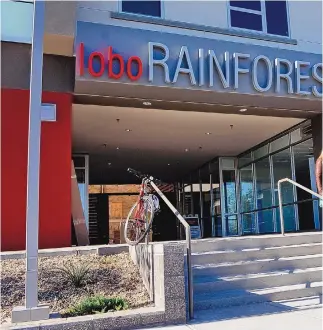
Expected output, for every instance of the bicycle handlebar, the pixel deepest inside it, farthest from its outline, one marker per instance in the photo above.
(142, 176)
(137, 173)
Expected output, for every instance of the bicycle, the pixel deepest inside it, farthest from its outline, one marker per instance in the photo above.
(141, 215)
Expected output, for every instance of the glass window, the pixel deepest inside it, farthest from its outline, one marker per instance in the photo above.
(79, 161)
(254, 5)
(280, 143)
(282, 168)
(263, 184)
(296, 135)
(289, 218)
(251, 15)
(250, 21)
(276, 15)
(246, 189)
(265, 221)
(229, 191)
(232, 225)
(149, 8)
(248, 223)
(216, 202)
(244, 159)
(196, 193)
(206, 201)
(188, 203)
(16, 21)
(303, 158)
(260, 152)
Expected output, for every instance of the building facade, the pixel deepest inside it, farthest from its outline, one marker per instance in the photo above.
(221, 99)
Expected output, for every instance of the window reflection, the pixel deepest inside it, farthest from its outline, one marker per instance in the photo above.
(206, 201)
(216, 200)
(263, 183)
(265, 221)
(282, 168)
(249, 223)
(229, 190)
(246, 189)
(305, 173)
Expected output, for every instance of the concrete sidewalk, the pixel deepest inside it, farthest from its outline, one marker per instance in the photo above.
(267, 316)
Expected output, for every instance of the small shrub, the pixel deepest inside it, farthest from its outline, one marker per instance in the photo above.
(77, 274)
(95, 305)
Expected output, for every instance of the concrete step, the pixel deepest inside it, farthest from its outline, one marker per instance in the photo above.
(261, 241)
(221, 256)
(238, 297)
(204, 284)
(258, 266)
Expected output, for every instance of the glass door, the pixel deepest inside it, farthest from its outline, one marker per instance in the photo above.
(215, 199)
(228, 176)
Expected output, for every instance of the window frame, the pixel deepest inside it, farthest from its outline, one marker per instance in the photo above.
(262, 12)
(162, 10)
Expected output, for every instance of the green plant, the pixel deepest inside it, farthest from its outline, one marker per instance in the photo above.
(97, 304)
(75, 273)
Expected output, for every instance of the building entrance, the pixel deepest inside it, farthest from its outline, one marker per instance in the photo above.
(223, 168)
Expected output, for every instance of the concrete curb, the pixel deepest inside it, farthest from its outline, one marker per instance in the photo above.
(131, 319)
(78, 250)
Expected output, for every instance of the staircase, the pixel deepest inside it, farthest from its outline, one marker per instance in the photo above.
(243, 270)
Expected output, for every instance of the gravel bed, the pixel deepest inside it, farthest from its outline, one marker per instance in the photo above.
(111, 276)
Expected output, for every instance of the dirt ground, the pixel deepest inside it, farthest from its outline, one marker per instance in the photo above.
(110, 276)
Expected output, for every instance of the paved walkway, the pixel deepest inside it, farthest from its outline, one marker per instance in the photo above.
(268, 316)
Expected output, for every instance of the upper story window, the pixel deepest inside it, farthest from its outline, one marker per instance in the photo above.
(262, 16)
(148, 8)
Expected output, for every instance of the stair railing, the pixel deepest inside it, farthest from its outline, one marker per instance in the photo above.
(281, 203)
(188, 246)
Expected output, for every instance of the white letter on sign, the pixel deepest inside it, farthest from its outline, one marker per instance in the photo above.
(237, 70)
(225, 79)
(285, 76)
(299, 77)
(179, 69)
(315, 75)
(162, 62)
(255, 75)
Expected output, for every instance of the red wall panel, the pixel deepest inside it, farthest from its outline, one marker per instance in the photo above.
(55, 171)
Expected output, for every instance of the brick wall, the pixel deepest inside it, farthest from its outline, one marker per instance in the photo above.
(114, 189)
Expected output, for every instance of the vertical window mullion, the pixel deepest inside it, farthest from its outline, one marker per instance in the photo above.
(263, 14)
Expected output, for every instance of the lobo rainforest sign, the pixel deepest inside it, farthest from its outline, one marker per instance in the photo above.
(164, 59)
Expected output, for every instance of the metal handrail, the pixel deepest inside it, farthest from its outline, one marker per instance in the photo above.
(188, 246)
(281, 203)
(152, 181)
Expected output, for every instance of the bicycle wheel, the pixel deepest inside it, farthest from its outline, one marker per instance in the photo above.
(138, 226)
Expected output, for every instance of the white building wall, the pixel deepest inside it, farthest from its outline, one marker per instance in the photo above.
(305, 20)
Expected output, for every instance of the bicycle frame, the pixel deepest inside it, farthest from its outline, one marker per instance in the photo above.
(142, 193)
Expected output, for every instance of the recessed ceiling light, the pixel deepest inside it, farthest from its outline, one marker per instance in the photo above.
(109, 164)
(243, 110)
(168, 164)
(186, 150)
(117, 148)
(128, 130)
(208, 133)
(146, 103)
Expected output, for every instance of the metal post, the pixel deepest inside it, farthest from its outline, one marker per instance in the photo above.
(32, 216)
(281, 213)
(31, 311)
